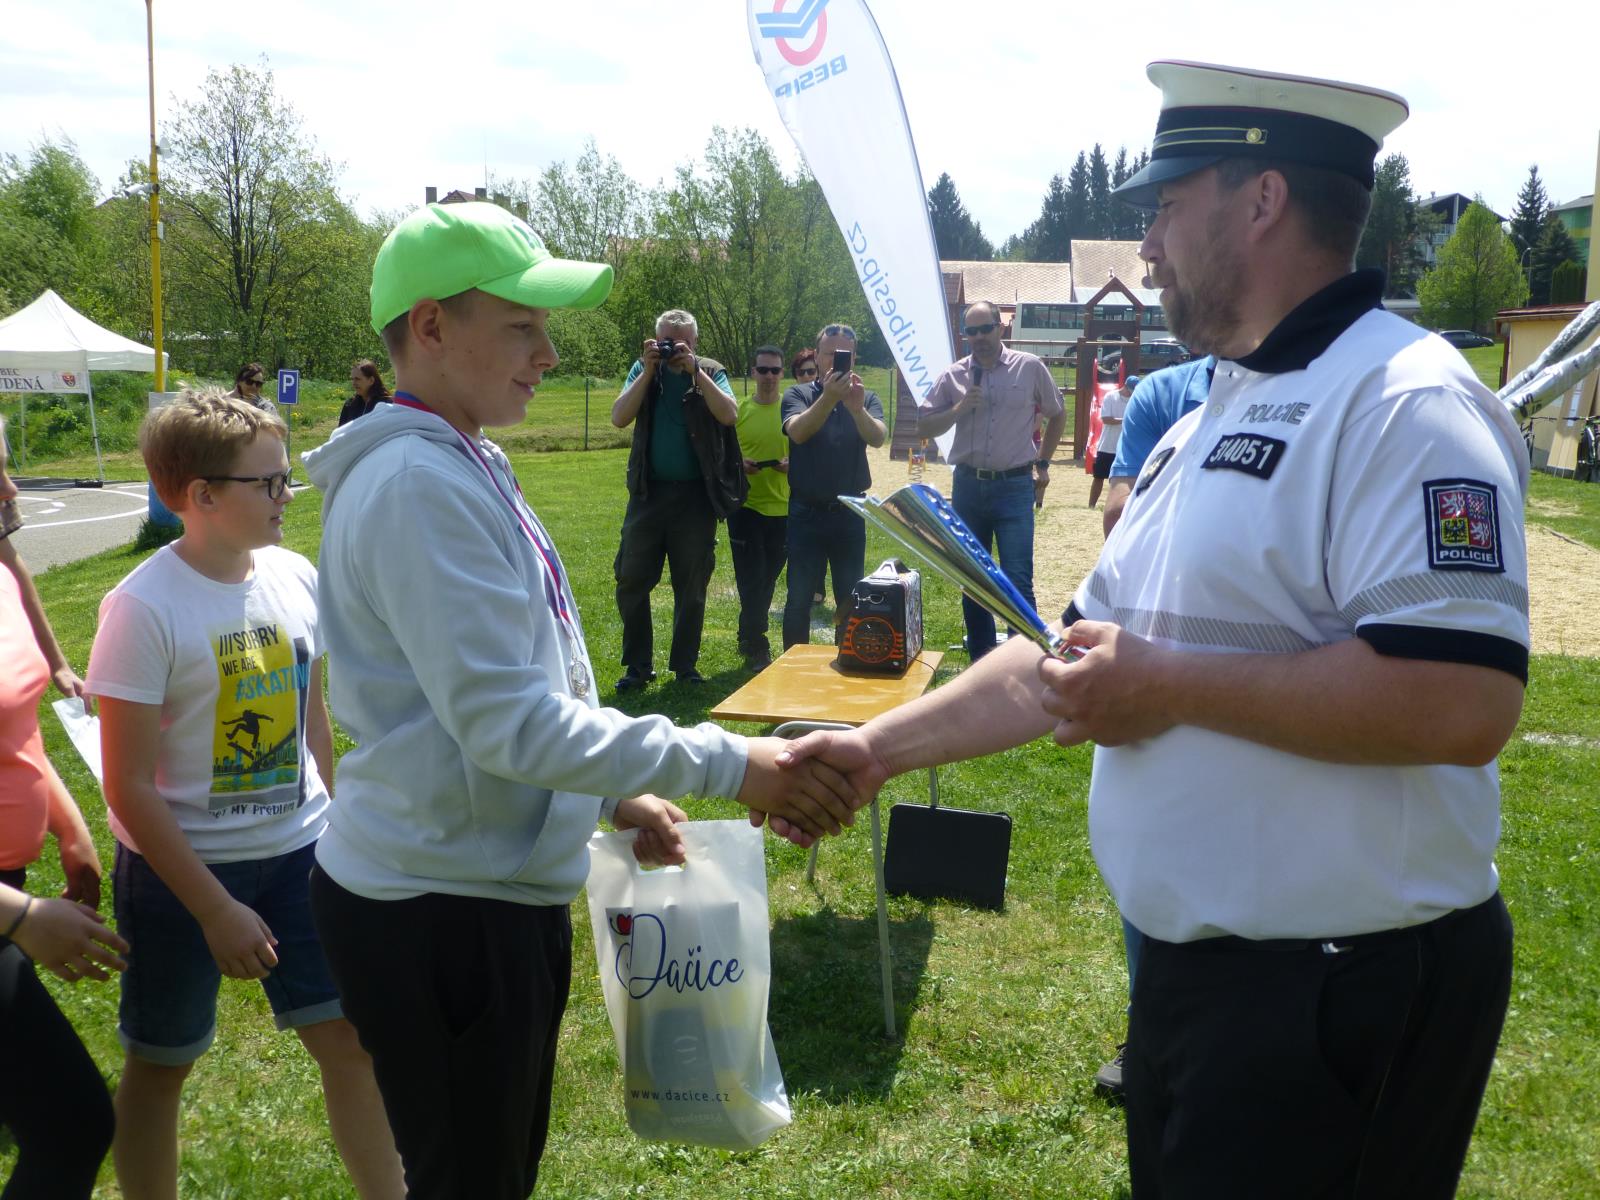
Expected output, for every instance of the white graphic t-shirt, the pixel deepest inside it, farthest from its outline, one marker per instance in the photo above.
(229, 664)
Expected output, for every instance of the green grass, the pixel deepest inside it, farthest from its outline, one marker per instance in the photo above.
(1485, 360)
(1567, 506)
(565, 415)
(1003, 1017)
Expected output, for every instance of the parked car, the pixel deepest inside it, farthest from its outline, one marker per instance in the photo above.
(1153, 356)
(1465, 339)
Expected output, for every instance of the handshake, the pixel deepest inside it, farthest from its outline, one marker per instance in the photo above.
(811, 786)
(804, 789)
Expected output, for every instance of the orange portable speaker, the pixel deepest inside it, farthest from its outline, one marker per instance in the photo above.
(883, 632)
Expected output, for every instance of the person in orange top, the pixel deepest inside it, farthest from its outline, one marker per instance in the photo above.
(51, 1095)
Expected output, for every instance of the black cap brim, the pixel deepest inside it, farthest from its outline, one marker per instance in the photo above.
(1142, 189)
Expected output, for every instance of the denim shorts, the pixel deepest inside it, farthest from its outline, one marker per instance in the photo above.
(168, 1013)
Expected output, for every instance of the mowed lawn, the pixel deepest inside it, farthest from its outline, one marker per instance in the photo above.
(1003, 1016)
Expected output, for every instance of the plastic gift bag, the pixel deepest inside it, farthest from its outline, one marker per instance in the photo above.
(685, 962)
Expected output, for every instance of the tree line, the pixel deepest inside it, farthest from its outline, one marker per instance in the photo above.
(264, 259)
(1077, 207)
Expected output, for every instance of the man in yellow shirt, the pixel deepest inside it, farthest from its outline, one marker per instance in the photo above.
(756, 531)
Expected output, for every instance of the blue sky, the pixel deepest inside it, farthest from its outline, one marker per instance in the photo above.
(1001, 95)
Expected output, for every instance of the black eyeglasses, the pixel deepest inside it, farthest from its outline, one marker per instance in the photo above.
(839, 331)
(980, 330)
(276, 484)
(805, 372)
(258, 380)
(769, 370)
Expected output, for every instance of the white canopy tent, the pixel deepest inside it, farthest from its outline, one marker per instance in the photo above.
(52, 347)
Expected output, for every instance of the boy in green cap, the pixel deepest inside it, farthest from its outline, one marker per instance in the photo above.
(483, 760)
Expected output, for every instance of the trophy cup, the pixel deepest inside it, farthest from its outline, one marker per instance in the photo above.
(923, 522)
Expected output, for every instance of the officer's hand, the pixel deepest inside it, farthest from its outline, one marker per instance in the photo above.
(1113, 694)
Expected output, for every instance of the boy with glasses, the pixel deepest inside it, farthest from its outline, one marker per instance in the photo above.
(217, 746)
(757, 530)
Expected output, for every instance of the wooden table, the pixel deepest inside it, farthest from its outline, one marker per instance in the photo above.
(802, 691)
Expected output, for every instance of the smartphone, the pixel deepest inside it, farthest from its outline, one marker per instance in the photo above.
(841, 361)
(768, 462)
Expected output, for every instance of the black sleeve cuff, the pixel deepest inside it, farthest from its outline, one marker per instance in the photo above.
(1070, 614)
(1448, 645)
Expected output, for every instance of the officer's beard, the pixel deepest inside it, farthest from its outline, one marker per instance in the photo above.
(1203, 308)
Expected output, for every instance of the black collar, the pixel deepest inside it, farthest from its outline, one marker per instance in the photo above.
(1316, 323)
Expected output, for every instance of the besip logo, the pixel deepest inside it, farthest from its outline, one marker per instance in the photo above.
(787, 28)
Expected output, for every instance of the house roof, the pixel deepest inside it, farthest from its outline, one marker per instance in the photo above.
(1543, 312)
(1580, 202)
(1075, 282)
(1012, 283)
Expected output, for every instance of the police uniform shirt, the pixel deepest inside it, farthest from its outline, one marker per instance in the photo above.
(1350, 478)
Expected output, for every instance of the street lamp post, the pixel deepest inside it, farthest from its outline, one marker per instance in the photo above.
(155, 204)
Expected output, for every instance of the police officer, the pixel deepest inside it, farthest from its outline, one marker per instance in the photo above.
(1306, 641)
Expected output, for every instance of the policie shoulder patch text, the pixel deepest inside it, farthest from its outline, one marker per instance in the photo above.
(1247, 452)
(1463, 517)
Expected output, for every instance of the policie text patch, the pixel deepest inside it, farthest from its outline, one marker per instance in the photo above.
(1463, 518)
(1247, 452)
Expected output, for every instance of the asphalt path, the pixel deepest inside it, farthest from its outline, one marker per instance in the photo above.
(64, 524)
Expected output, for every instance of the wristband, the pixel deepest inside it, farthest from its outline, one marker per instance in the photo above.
(1042, 462)
(17, 922)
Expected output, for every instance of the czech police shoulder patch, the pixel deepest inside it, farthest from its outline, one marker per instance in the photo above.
(1463, 518)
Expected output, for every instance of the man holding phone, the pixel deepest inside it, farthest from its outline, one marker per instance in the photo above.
(830, 422)
(996, 398)
(684, 472)
(757, 532)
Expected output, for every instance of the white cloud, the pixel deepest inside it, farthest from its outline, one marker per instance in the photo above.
(407, 93)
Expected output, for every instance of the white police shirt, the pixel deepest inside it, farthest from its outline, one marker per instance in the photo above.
(1369, 489)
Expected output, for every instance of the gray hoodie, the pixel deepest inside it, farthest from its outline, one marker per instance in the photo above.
(476, 771)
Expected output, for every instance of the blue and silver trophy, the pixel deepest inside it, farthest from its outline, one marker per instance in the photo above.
(923, 522)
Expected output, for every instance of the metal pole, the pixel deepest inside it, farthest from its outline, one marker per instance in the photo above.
(88, 384)
(155, 204)
(585, 412)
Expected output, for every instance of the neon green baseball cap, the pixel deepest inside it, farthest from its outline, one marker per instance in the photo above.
(446, 249)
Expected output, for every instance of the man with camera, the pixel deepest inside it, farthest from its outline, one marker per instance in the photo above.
(996, 398)
(684, 472)
(830, 422)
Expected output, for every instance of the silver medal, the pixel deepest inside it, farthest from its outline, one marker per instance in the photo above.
(578, 677)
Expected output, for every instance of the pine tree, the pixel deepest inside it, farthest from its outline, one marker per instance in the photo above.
(1390, 241)
(1566, 283)
(1554, 247)
(954, 231)
(1527, 222)
(1049, 239)
(1077, 202)
(1100, 220)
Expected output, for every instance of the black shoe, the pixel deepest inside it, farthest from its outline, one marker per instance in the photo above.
(1108, 1079)
(759, 661)
(634, 680)
(691, 676)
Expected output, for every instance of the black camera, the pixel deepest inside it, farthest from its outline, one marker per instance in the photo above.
(667, 347)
